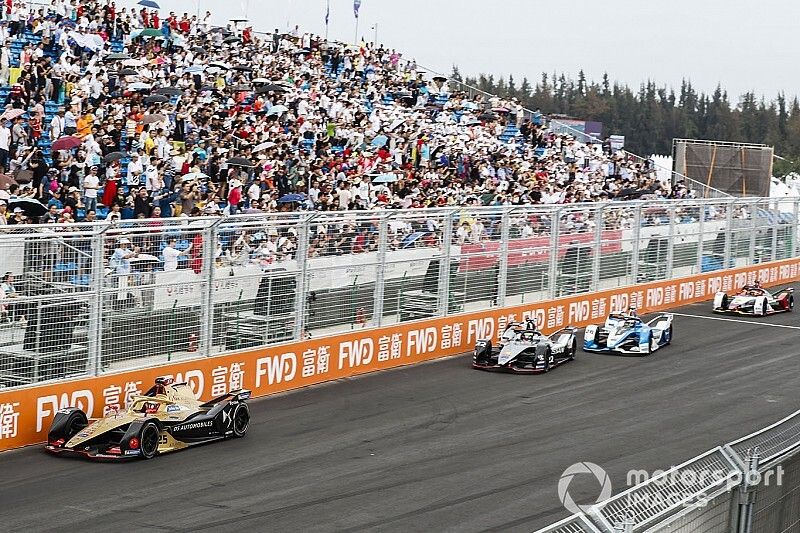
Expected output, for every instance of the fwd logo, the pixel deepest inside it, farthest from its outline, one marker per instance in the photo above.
(277, 369)
(482, 328)
(356, 353)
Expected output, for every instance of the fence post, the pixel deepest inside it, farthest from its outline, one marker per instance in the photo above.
(729, 235)
(795, 247)
(753, 231)
(747, 493)
(774, 227)
(598, 248)
(637, 245)
(502, 275)
(701, 237)
(205, 338)
(380, 279)
(444, 266)
(301, 301)
(555, 227)
(670, 273)
(95, 344)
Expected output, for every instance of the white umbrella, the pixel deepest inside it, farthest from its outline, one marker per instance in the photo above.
(192, 176)
(264, 146)
(133, 63)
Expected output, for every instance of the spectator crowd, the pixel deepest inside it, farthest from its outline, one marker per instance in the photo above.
(192, 120)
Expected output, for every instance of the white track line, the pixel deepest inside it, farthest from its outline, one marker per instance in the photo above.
(737, 320)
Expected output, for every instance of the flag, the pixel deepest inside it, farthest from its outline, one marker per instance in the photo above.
(328, 13)
(356, 5)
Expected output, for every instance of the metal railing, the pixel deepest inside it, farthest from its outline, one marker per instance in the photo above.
(751, 485)
(87, 299)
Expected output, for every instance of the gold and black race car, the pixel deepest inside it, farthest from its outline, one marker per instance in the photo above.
(167, 418)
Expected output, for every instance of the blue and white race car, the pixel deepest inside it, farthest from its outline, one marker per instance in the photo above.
(627, 334)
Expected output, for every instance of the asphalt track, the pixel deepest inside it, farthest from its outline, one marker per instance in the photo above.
(436, 447)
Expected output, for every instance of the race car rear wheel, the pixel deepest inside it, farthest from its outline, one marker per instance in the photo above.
(790, 301)
(764, 307)
(148, 440)
(241, 420)
(669, 336)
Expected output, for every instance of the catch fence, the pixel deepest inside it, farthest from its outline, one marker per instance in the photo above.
(751, 485)
(87, 299)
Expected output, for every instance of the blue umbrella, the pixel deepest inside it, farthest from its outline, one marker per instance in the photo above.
(149, 3)
(196, 69)
(411, 239)
(380, 140)
(385, 178)
(291, 198)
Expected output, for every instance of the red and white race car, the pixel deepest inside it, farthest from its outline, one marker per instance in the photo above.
(755, 300)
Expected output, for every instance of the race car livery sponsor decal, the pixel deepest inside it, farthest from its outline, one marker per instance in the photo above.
(193, 425)
(26, 413)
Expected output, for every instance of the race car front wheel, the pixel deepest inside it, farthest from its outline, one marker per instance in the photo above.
(148, 440)
(241, 420)
(572, 350)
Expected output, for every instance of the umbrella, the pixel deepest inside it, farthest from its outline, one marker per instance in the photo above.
(263, 146)
(132, 63)
(243, 68)
(194, 176)
(32, 208)
(149, 3)
(139, 86)
(271, 88)
(231, 39)
(198, 50)
(439, 78)
(260, 81)
(6, 181)
(156, 99)
(240, 162)
(411, 239)
(11, 114)
(66, 143)
(117, 57)
(500, 109)
(151, 119)
(241, 88)
(380, 140)
(385, 178)
(141, 259)
(115, 156)
(291, 198)
(277, 110)
(219, 64)
(487, 117)
(151, 32)
(128, 72)
(169, 91)
(195, 69)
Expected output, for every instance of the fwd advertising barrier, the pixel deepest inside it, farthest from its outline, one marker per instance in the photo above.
(25, 414)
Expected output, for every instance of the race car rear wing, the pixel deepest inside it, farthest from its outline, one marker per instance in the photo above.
(234, 395)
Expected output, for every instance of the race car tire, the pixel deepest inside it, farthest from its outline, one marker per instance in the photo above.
(761, 307)
(669, 336)
(148, 440)
(241, 420)
(548, 353)
(725, 302)
(572, 350)
(75, 422)
(649, 344)
(790, 301)
(483, 353)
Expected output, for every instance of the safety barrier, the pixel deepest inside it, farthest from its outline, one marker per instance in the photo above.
(751, 485)
(25, 412)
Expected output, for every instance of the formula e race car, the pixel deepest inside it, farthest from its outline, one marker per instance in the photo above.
(754, 300)
(167, 418)
(627, 334)
(524, 349)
